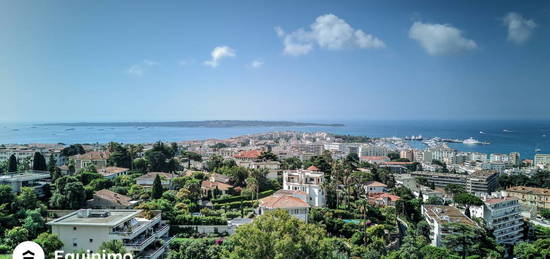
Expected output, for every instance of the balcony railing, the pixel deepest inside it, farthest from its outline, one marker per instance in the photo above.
(133, 232)
(162, 231)
(141, 244)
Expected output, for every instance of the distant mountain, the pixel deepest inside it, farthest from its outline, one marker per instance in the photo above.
(197, 124)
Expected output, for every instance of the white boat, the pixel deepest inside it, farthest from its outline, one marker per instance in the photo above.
(471, 141)
(505, 130)
(481, 132)
(537, 150)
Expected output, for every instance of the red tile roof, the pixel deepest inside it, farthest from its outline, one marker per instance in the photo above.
(92, 156)
(284, 201)
(248, 154)
(208, 185)
(375, 184)
(381, 195)
(313, 168)
(114, 197)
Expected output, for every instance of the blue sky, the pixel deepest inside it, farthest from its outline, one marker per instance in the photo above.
(273, 60)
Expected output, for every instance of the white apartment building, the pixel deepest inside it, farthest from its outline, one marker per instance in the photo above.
(87, 229)
(542, 160)
(475, 156)
(308, 181)
(438, 217)
(37, 180)
(28, 153)
(502, 216)
(370, 150)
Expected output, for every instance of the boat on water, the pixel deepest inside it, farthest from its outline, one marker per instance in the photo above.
(472, 141)
(413, 137)
(506, 130)
(537, 150)
(481, 132)
(69, 129)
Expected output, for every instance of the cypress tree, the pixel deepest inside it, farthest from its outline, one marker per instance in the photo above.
(51, 163)
(12, 164)
(39, 162)
(157, 191)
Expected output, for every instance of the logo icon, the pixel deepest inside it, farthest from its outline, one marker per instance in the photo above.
(28, 250)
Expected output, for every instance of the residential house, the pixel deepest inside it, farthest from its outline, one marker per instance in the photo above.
(106, 199)
(309, 181)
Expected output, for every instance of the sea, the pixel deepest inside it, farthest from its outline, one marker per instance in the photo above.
(504, 136)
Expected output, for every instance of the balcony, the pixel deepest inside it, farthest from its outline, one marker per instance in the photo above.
(163, 230)
(132, 232)
(140, 243)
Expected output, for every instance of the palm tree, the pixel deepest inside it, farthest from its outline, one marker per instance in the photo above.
(133, 150)
(252, 184)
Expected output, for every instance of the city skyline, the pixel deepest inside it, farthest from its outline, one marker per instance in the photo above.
(136, 61)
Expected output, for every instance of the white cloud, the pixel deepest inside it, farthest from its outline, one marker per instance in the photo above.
(185, 62)
(256, 63)
(519, 29)
(328, 32)
(440, 39)
(219, 53)
(140, 68)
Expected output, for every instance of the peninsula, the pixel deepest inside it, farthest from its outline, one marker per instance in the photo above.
(197, 124)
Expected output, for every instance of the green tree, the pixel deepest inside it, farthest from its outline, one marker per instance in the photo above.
(268, 156)
(464, 239)
(277, 234)
(76, 149)
(26, 199)
(14, 236)
(467, 199)
(69, 193)
(156, 192)
(112, 246)
(39, 162)
(291, 163)
(49, 242)
(188, 156)
(435, 201)
(34, 223)
(52, 163)
(12, 164)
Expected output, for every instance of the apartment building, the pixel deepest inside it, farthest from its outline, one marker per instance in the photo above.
(308, 181)
(530, 196)
(87, 229)
(371, 150)
(23, 153)
(542, 160)
(481, 181)
(502, 216)
(37, 180)
(438, 218)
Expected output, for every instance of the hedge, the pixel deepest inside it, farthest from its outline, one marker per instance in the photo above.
(234, 205)
(239, 198)
(198, 220)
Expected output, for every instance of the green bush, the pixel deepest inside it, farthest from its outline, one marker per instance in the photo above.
(187, 219)
(229, 198)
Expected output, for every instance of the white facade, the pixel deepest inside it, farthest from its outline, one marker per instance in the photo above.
(502, 216)
(87, 229)
(307, 181)
(438, 217)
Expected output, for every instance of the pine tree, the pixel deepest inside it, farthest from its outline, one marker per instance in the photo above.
(157, 191)
(12, 164)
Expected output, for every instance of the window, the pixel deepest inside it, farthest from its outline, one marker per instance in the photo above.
(75, 242)
(74, 228)
(91, 240)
